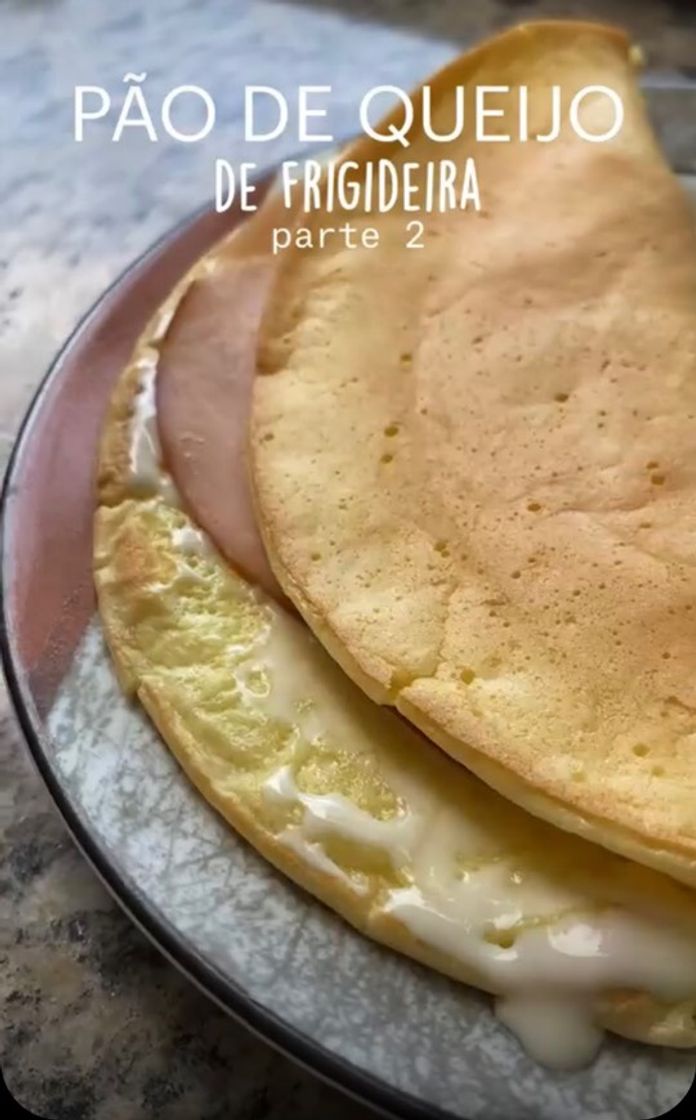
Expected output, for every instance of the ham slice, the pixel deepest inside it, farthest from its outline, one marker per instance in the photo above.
(203, 392)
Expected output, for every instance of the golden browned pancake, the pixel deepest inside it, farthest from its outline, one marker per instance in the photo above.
(353, 804)
(474, 463)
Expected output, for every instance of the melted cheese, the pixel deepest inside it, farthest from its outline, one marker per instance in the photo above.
(147, 474)
(551, 974)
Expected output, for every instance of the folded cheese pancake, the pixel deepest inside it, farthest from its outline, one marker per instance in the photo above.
(351, 802)
(475, 463)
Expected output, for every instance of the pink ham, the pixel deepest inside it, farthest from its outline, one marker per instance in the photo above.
(204, 385)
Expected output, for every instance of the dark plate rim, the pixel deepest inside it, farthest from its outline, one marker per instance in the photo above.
(229, 995)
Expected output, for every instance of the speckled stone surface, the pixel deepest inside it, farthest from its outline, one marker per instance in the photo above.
(95, 1023)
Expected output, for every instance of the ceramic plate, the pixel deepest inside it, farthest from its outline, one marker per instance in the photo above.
(397, 1035)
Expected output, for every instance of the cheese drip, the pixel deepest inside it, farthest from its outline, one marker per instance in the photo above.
(549, 951)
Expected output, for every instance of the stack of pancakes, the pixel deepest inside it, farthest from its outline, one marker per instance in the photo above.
(458, 482)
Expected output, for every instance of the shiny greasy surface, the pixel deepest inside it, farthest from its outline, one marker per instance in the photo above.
(474, 463)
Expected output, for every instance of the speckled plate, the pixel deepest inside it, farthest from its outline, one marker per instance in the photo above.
(404, 1039)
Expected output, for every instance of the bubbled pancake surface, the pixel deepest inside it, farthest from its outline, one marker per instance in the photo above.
(474, 463)
(180, 623)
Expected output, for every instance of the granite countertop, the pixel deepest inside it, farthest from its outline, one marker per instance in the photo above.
(96, 1025)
